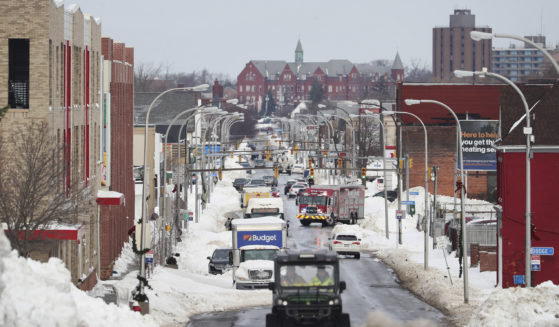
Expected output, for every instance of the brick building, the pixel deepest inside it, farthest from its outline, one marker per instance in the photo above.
(454, 49)
(290, 82)
(477, 101)
(117, 217)
(53, 70)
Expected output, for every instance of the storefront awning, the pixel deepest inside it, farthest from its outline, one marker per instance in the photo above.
(110, 198)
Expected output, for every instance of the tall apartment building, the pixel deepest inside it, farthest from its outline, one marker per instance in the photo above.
(519, 63)
(53, 70)
(454, 49)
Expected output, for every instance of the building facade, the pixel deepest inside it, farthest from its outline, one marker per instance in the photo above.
(290, 83)
(53, 70)
(520, 63)
(454, 49)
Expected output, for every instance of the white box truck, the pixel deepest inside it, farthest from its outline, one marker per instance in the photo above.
(262, 207)
(256, 242)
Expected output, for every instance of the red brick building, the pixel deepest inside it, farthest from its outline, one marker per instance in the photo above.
(291, 82)
(478, 101)
(118, 217)
(544, 173)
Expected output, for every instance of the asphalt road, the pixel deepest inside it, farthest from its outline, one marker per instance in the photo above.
(371, 285)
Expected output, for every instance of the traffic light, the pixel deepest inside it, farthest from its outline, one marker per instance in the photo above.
(325, 152)
(219, 174)
(340, 162)
(401, 162)
(311, 173)
(310, 162)
(411, 162)
(279, 142)
(240, 158)
(291, 151)
(364, 172)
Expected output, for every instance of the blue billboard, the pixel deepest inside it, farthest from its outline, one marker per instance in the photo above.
(267, 237)
(212, 148)
(478, 137)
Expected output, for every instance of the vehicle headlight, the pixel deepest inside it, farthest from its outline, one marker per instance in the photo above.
(331, 302)
(284, 303)
(280, 301)
(336, 301)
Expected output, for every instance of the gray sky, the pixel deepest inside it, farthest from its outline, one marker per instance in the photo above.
(223, 35)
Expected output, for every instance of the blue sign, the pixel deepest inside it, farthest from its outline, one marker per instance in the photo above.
(212, 148)
(536, 267)
(407, 203)
(543, 251)
(519, 280)
(399, 215)
(149, 260)
(268, 237)
(414, 193)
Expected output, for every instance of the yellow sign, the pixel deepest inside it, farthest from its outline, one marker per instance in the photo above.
(168, 228)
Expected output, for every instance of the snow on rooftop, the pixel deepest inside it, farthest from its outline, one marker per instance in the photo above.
(109, 194)
(258, 221)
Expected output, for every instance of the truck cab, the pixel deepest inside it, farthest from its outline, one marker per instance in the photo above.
(307, 290)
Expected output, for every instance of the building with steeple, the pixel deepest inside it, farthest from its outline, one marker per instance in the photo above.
(290, 82)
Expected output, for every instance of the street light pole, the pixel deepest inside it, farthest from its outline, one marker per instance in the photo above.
(528, 133)
(141, 296)
(411, 102)
(426, 218)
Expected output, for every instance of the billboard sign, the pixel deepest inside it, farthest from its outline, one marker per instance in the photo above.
(478, 137)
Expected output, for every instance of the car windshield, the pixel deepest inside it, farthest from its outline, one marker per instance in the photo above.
(257, 182)
(239, 181)
(313, 200)
(221, 254)
(265, 254)
(308, 277)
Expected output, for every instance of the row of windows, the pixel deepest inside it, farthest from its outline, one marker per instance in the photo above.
(525, 66)
(520, 59)
(516, 52)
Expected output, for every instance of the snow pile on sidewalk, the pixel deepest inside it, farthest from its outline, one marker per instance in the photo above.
(538, 306)
(42, 294)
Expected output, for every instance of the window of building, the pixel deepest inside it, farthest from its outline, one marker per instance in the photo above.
(240, 88)
(329, 88)
(252, 89)
(18, 79)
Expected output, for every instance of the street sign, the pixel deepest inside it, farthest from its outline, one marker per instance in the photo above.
(536, 267)
(414, 193)
(190, 216)
(149, 256)
(543, 251)
(399, 214)
(441, 242)
(519, 280)
(407, 203)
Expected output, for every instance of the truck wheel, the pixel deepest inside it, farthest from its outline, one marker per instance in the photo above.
(357, 255)
(305, 222)
(342, 320)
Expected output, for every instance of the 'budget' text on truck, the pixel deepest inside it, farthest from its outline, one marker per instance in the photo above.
(256, 242)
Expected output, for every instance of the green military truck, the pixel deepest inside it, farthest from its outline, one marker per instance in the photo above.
(306, 290)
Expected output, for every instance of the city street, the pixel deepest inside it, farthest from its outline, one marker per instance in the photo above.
(371, 285)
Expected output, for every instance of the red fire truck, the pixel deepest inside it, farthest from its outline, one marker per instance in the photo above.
(328, 204)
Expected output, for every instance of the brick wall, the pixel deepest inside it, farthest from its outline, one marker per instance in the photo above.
(441, 151)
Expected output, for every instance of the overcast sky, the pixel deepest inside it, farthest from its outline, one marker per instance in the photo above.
(223, 35)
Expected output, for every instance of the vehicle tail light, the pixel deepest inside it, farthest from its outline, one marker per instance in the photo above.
(136, 308)
(337, 242)
(357, 243)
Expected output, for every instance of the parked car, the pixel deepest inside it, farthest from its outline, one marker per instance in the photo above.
(392, 195)
(246, 165)
(270, 180)
(219, 261)
(298, 169)
(295, 189)
(346, 242)
(239, 183)
(288, 186)
(275, 192)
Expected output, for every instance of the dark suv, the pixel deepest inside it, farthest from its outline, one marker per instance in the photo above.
(239, 183)
(219, 261)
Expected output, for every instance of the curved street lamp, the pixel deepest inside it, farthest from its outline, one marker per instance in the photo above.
(141, 296)
(426, 231)
(411, 102)
(528, 133)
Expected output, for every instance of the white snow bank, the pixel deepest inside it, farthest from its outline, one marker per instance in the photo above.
(42, 294)
(381, 319)
(538, 306)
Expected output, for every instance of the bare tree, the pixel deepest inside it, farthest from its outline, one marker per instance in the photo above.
(31, 184)
(144, 75)
(418, 72)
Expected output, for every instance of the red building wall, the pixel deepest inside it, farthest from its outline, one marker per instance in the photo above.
(117, 220)
(545, 221)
